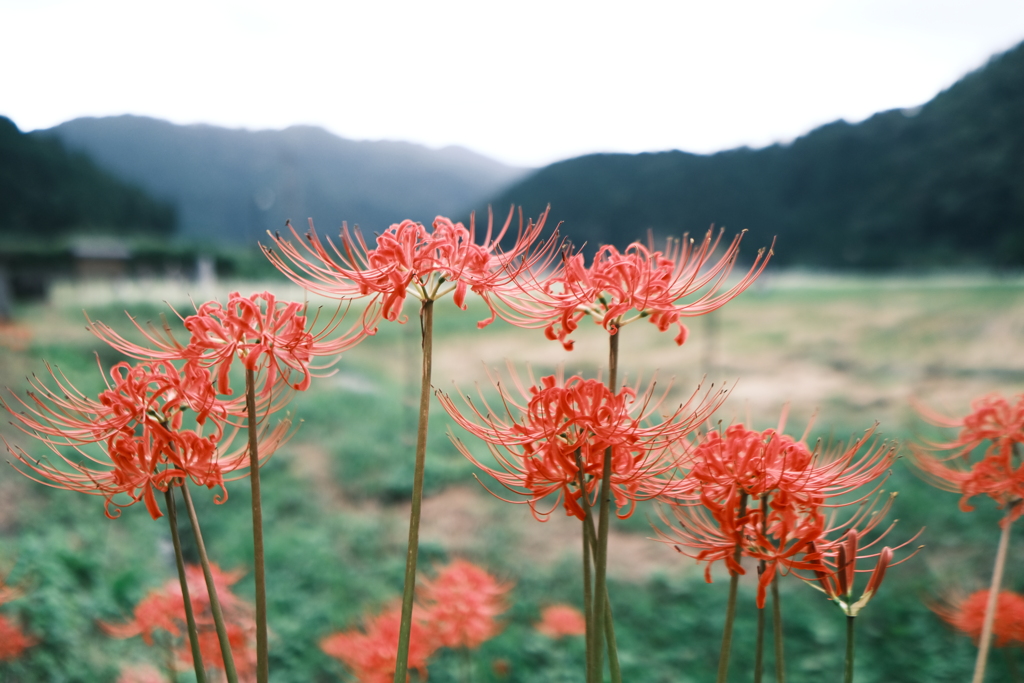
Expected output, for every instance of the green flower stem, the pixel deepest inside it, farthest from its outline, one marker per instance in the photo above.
(601, 563)
(849, 649)
(190, 619)
(985, 642)
(609, 622)
(730, 609)
(588, 548)
(218, 615)
(780, 655)
(426, 327)
(262, 661)
(761, 568)
(759, 647)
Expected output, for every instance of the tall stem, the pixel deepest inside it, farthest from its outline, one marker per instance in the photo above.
(730, 608)
(762, 566)
(588, 597)
(780, 655)
(993, 596)
(601, 563)
(848, 678)
(609, 622)
(262, 661)
(190, 619)
(426, 327)
(218, 615)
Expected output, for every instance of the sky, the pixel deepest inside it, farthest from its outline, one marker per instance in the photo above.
(526, 82)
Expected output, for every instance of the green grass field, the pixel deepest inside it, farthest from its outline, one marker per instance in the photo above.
(853, 349)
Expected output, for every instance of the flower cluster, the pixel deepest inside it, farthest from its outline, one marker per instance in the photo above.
(620, 287)
(461, 605)
(163, 610)
(764, 495)
(410, 260)
(1000, 471)
(140, 426)
(457, 609)
(172, 414)
(552, 439)
(967, 615)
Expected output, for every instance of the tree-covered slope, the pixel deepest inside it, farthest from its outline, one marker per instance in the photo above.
(938, 185)
(47, 191)
(233, 185)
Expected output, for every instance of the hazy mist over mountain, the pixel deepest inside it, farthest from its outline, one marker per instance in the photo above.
(234, 185)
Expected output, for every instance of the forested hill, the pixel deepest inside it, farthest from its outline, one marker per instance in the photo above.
(234, 185)
(47, 191)
(938, 185)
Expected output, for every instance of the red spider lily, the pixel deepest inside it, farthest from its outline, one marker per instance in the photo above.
(563, 427)
(647, 283)
(1000, 472)
(967, 615)
(370, 653)
(715, 503)
(153, 392)
(557, 621)
(408, 259)
(164, 609)
(258, 329)
(462, 604)
(138, 427)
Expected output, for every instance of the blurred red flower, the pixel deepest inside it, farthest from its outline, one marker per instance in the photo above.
(461, 605)
(561, 620)
(12, 640)
(968, 614)
(370, 653)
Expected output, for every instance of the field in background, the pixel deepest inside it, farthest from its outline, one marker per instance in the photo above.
(854, 349)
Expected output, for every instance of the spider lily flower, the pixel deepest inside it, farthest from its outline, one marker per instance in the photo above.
(134, 440)
(461, 605)
(260, 331)
(13, 640)
(557, 621)
(409, 260)
(370, 653)
(967, 615)
(556, 432)
(999, 473)
(621, 287)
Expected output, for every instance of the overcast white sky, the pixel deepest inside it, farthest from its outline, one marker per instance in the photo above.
(527, 82)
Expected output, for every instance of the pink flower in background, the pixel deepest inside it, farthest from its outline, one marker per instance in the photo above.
(557, 621)
(461, 605)
(370, 653)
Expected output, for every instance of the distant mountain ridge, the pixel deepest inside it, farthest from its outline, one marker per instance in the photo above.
(231, 186)
(942, 184)
(47, 191)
